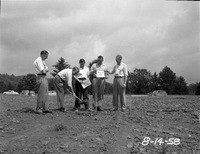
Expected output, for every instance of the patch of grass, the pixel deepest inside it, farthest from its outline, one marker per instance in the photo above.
(59, 127)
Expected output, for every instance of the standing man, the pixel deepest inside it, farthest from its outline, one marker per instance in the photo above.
(42, 83)
(119, 84)
(98, 83)
(60, 81)
(81, 77)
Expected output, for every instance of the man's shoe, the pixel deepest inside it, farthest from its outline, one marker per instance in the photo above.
(62, 109)
(99, 109)
(123, 110)
(114, 109)
(46, 111)
(40, 111)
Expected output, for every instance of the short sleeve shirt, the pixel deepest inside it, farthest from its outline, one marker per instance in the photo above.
(96, 67)
(83, 72)
(66, 75)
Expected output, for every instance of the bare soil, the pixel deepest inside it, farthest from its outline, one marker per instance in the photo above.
(171, 119)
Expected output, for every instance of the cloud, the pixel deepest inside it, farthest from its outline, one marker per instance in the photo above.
(149, 34)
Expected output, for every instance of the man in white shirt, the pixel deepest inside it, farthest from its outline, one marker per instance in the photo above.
(81, 91)
(119, 83)
(60, 81)
(42, 83)
(98, 83)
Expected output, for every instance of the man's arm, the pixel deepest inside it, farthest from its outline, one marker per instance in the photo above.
(125, 74)
(110, 72)
(78, 79)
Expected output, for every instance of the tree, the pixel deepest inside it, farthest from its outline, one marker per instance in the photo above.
(27, 82)
(138, 81)
(180, 86)
(167, 79)
(59, 66)
(3, 87)
(9, 82)
(154, 82)
(108, 88)
(11, 86)
(31, 81)
(198, 89)
(192, 88)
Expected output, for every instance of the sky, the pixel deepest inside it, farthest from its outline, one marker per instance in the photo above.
(149, 34)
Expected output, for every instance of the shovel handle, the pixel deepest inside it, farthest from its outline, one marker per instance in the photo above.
(74, 96)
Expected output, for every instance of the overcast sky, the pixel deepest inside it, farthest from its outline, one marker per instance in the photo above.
(149, 34)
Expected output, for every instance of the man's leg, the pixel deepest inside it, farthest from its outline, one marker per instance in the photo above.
(85, 97)
(122, 94)
(59, 91)
(94, 91)
(101, 93)
(115, 94)
(42, 97)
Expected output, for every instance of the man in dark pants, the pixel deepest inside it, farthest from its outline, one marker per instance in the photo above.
(81, 91)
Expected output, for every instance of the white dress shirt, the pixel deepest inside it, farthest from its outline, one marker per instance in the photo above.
(66, 75)
(40, 65)
(120, 70)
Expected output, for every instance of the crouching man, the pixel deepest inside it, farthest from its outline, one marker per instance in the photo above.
(60, 81)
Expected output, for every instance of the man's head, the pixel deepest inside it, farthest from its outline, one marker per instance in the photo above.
(82, 63)
(44, 54)
(100, 60)
(118, 59)
(75, 70)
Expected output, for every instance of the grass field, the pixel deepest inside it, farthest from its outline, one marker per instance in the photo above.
(150, 125)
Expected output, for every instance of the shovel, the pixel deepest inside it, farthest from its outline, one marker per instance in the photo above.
(75, 96)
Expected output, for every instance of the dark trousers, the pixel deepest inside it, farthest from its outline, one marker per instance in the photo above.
(81, 93)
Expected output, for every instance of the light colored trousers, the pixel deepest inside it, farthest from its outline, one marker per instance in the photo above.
(42, 89)
(119, 92)
(59, 88)
(98, 85)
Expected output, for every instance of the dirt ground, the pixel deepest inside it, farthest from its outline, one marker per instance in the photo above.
(150, 125)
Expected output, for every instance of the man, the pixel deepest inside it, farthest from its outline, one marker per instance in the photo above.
(42, 83)
(98, 70)
(82, 77)
(119, 83)
(60, 81)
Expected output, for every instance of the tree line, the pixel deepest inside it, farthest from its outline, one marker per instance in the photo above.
(140, 81)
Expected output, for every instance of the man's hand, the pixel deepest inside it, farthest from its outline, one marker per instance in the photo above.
(124, 85)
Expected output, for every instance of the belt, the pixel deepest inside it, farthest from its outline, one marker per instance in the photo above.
(41, 74)
(82, 78)
(119, 76)
(99, 78)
